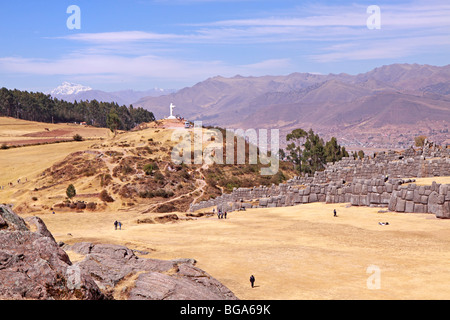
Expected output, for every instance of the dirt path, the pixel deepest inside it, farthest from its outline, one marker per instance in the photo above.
(201, 188)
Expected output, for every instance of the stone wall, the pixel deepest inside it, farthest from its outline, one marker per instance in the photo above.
(396, 194)
(349, 169)
(374, 181)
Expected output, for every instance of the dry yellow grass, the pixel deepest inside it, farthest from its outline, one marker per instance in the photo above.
(299, 252)
(428, 181)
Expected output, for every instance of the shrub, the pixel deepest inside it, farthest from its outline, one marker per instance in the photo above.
(91, 206)
(71, 191)
(166, 207)
(81, 205)
(148, 169)
(104, 196)
(159, 176)
(105, 179)
(4, 146)
(77, 137)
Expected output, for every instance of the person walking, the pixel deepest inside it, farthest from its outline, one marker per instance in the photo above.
(115, 224)
(252, 281)
(225, 214)
(120, 225)
(335, 214)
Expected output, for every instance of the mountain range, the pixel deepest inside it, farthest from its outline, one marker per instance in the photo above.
(385, 107)
(71, 92)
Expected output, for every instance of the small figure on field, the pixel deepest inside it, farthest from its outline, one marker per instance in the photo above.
(115, 224)
(252, 280)
(335, 214)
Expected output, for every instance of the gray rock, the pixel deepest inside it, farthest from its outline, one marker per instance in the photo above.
(34, 267)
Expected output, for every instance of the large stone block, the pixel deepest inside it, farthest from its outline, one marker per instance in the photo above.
(364, 189)
(445, 212)
(363, 200)
(409, 206)
(424, 199)
(419, 208)
(354, 200)
(388, 187)
(409, 195)
(307, 190)
(422, 190)
(433, 203)
(400, 206)
(375, 198)
(443, 189)
(416, 196)
(385, 197)
(392, 202)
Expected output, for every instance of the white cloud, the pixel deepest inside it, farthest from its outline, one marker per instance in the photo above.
(327, 33)
(117, 68)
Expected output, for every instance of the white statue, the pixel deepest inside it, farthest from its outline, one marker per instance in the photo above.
(172, 106)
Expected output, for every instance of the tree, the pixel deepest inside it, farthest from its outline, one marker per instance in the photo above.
(295, 149)
(314, 153)
(420, 141)
(309, 153)
(71, 192)
(333, 151)
(113, 121)
(361, 154)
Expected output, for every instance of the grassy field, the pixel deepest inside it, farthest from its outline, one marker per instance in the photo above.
(300, 252)
(27, 162)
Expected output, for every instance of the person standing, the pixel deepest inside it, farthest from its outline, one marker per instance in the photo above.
(252, 281)
(335, 214)
(115, 224)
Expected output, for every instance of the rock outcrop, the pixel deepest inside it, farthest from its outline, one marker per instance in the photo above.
(33, 266)
(147, 279)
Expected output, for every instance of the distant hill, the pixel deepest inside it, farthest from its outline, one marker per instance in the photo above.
(385, 107)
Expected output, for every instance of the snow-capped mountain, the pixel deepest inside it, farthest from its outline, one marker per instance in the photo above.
(69, 88)
(71, 92)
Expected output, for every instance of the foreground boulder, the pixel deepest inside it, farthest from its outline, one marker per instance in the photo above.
(118, 271)
(32, 266)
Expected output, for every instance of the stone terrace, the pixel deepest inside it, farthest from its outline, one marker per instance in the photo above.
(376, 182)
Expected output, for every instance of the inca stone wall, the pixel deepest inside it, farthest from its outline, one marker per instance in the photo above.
(349, 169)
(374, 182)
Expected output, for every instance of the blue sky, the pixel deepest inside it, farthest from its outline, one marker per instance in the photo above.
(141, 44)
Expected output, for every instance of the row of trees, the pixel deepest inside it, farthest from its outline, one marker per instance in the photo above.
(37, 106)
(309, 153)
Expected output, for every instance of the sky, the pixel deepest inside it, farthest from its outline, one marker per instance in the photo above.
(142, 44)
